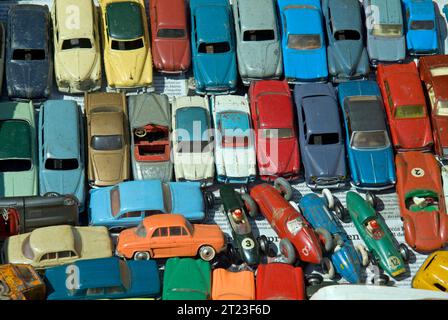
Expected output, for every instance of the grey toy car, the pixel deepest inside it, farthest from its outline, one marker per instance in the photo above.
(257, 37)
(320, 136)
(347, 55)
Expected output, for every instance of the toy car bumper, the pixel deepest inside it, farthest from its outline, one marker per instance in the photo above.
(242, 180)
(372, 187)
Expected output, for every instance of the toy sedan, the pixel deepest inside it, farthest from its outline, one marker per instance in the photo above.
(29, 63)
(280, 281)
(194, 158)
(107, 138)
(104, 278)
(213, 46)
(234, 140)
(273, 121)
(57, 245)
(61, 149)
(303, 40)
(385, 36)
(445, 11)
(433, 273)
(370, 153)
(434, 74)
(422, 203)
(405, 106)
(229, 285)
(77, 57)
(421, 27)
(150, 121)
(18, 154)
(257, 40)
(170, 38)
(378, 238)
(20, 282)
(347, 55)
(127, 52)
(186, 279)
(320, 136)
(126, 204)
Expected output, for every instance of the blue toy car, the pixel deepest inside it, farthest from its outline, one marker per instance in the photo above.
(213, 46)
(126, 204)
(421, 27)
(105, 278)
(61, 149)
(303, 40)
(370, 153)
(346, 259)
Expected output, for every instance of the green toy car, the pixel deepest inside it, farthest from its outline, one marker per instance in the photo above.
(383, 248)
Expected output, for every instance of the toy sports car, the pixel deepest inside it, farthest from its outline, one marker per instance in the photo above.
(230, 285)
(280, 281)
(433, 273)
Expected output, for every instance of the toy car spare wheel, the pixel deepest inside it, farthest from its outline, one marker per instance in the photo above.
(328, 197)
(207, 253)
(250, 205)
(142, 255)
(283, 186)
(371, 198)
(327, 238)
(404, 251)
(264, 244)
(288, 251)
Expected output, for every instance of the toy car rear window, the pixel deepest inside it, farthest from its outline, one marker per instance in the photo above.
(323, 138)
(369, 139)
(280, 133)
(15, 154)
(61, 164)
(439, 71)
(442, 108)
(406, 112)
(105, 143)
(127, 45)
(422, 25)
(115, 201)
(171, 33)
(347, 35)
(304, 41)
(258, 35)
(194, 146)
(217, 47)
(81, 43)
(28, 54)
(387, 30)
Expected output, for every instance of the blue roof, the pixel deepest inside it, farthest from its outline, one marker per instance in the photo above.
(358, 88)
(194, 121)
(31, 23)
(422, 9)
(141, 195)
(238, 121)
(213, 23)
(303, 21)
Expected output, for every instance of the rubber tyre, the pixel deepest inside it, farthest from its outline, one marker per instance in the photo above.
(372, 199)
(284, 187)
(51, 194)
(404, 252)
(340, 211)
(206, 253)
(264, 244)
(363, 254)
(329, 243)
(329, 198)
(142, 255)
(250, 204)
(287, 250)
(314, 279)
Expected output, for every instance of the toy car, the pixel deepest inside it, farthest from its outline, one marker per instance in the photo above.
(20, 282)
(421, 199)
(422, 35)
(126, 204)
(24, 214)
(303, 40)
(127, 52)
(229, 285)
(29, 63)
(170, 235)
(2, 52)
(434, 74)
(150, 122)
(385, 31)
(245, 244)
(77, 57)
(186, 279)
(405, 106)
(275, 132)
(234, 140)
(370, 153)
(194, 158)
(280, 281)
(107, 138)
(57, 245)
(18, 154)
(170, 39)
(103, 278)
(61, 149)
(347, 55)
(213, 47)
(377, 236)
(445, 11)
(257, 40)
(432, 274)
(320, 136)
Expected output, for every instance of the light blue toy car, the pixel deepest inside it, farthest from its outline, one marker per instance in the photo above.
(370, 154)
(61, 150)
(303, 40)
(213, 46)
(126, 204)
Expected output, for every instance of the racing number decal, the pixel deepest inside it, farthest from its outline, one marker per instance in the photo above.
(394, 262)
(418, 172)
(306, 251)
(247, 243)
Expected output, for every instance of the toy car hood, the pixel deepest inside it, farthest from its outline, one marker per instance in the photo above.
(172, 54)
(77, 65)
(387, 49)
(29, 79)
(286, 154)
(375, 166)
(129, 67)
(260, 60)
(348, 54)
(347, 263)
(228, 285)
(279, 281)
(324, 160)
(216, 70)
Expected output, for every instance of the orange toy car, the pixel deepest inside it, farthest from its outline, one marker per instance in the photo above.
(170, 235)
(20, 282)
(422, 201)
(228, 285)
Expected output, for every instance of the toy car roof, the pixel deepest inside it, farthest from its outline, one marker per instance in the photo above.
(106, 123)
(52, 239)
(170, 14)
(257, 14)
(212, 23)
(164, 220)
(365, 114)
(303, 20)
(340, 10)
(29, 26)
(15, 136)
(99, 273)
(312, 3)
(124, 20)
(149, 109)
(421, 9)
(192, 119)
(388, 11)
(141, 195)
(86, 18)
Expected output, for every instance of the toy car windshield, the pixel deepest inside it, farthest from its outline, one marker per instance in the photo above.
(280, 133)
(407, 112)
(171, 33)
(323, 138)
(422, 25)
(442, 108)
(217, 47)
(439, 71)
(61, 164)
(28, 54)
(352, 35)
(387, 30)
(304, 41)
(77, 43)
(259, 35)
(140, 231)
(369, 139)
(107, 142)
(422, 200)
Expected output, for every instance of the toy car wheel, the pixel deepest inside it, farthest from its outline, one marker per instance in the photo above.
(314, 279)
(328, 268)
(372, 259)
(288, 251)
(51, 194)
(404, 251)
(340, 211)
(381, 280)
(371, 198)
(363, 254)
(264, 244)
(244, 189)
(207, 253)
(327, 238)
(250, 205)
(142, 255)
(232, 253)
(4, 291)
(328, 197)
(209, 200)
(70, 202)
(283, 186)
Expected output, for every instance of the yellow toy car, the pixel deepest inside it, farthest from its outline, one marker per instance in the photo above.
(127, 52)
(433, 274)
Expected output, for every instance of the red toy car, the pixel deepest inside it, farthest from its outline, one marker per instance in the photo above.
(422, 201)
(279, 281)
(273, 119)
(434, 73)
(170, 37)
(405, 104)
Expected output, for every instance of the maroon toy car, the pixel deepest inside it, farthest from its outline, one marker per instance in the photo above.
(170, 37)
(279, 281)
(273, 120)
